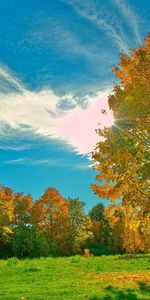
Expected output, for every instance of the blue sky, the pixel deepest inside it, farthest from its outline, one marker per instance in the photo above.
(56, 58)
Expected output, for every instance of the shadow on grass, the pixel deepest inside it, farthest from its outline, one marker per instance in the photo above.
(133, 256)
(32, 270)
(144, 287)
(114, 293)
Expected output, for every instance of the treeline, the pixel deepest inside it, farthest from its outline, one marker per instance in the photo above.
(56, 226)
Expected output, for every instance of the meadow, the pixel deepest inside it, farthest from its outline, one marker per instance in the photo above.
(77, 277)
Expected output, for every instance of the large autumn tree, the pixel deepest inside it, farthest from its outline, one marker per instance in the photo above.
(50, 216)
(123, 159)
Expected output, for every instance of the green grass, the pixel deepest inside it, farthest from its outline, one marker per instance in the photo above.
(91, 278)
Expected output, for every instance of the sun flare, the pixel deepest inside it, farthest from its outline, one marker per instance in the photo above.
(107, 119)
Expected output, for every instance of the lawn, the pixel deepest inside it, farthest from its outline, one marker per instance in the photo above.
(91, 278)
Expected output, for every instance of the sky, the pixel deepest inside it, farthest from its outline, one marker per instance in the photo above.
(56, 60)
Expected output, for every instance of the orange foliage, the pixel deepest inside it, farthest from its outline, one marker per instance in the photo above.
(6, 213)
(50, 214)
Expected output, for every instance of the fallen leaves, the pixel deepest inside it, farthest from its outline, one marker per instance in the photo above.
(123, 278)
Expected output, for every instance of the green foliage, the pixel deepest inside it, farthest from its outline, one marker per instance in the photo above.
(97, 249)
(97, 212)
(80, 226)
(29, 243)
(102, 241)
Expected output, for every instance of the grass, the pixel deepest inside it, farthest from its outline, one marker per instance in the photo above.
(91, 278)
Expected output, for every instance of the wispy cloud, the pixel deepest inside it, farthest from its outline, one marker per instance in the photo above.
(32, 162)
(126, 10)
(39, 113)
(47, 163)
(50, 33)
(91, 11)
(10, 147)
(9, 82)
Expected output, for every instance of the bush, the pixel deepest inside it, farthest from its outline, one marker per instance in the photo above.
(29, 243)
(5, 250)
(97, 249)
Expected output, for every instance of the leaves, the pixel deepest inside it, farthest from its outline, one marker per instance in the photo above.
(123, 158)
(50, 214)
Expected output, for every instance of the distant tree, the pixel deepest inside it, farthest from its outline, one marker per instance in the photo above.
(115, 215)
(130, 228)
(22, 210)
(50, 216)
(28, 242)
(80, 226)
(6, 217)
(97, 212)
(101, 242)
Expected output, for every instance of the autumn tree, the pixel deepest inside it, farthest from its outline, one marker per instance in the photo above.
(115, 215)
(132, 237)
(145, 231)
(6, 217)
(22, 210)
(123, 158)
(101, 241)
(80, 225)
(24, 242)
(50, 216)
(129, 228)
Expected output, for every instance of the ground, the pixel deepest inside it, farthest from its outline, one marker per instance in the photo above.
(75, 278)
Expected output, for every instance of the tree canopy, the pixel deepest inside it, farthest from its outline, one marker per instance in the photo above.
(123, 158)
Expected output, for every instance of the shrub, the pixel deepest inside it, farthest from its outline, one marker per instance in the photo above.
(29, 243)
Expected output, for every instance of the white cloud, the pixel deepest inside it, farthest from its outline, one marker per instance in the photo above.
(39, 113)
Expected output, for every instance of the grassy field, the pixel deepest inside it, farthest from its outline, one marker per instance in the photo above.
(93, 278)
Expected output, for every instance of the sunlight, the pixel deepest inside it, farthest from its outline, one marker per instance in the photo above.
(107, 119)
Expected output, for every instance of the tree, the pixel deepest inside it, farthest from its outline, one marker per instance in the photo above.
(28, 242)
(6, 213)
(101, 241)
(22, 210)
(123, 159)
(132, 239)
(6, 218)
(115, 214)
(97, 212)
(80, 226)
(50, 216)
(145, 230)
